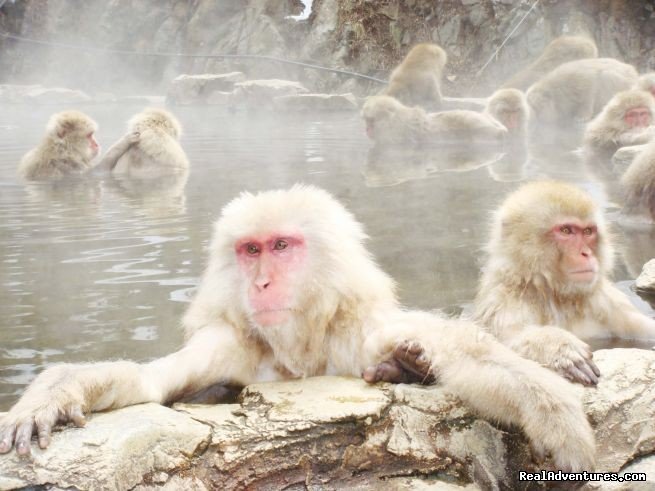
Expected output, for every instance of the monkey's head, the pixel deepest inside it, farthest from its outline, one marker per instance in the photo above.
(631, 109)
(74, 130)
(569, 48)
(647, 82)
(510, 108)
(552, 235)
(279, 256)
(426, 56)
(155, 119)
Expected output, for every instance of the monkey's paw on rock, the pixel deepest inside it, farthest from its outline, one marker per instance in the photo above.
(333, 433)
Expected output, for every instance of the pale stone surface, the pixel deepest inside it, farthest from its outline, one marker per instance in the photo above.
(113, 452)
(336, 433)
(646, 280)
(622, 407)
(316, 102)
(196, 89)
(42, 95)
(37, 94)
(150, 100)
(260, 93)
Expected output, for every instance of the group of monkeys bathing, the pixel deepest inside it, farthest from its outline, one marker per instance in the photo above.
(291, 291)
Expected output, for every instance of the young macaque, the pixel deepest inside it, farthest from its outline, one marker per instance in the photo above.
(417, 80)
(561, 50)
(151, 146)
(68, 148)
(578, 90)
(545, 286)
(388, 121)
(510, 108)
(290, 291)
(627, 119)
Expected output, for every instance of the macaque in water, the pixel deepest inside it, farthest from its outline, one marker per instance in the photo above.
(510, 108)
(388, 121)
(545, 285)
(638, 183)
(561, 50)
(647, 82)
(290, 291)
(150, 147)
(417, 80)
(68, 148)
(578, 90)
(627, 119)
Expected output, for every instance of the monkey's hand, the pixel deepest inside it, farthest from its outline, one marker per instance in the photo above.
(558, 350)
(408, 364)
(56, 395)
(133, 137)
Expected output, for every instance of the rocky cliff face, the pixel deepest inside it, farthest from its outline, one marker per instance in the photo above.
(365, 36)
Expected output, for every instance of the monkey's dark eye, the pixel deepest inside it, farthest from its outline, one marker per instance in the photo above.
(280, 245)
(566, 230)
(588, 231)
(252, 249)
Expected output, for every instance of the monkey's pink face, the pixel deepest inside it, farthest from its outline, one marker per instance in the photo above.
(273, 267)
(638, 117)
(511, 119)
(577, 242)
(94, 148)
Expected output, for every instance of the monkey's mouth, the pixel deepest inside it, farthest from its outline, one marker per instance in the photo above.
(583, 275)
(370, 130)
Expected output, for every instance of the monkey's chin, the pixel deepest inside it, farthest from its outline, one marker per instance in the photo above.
(267, 318)
(583, 277)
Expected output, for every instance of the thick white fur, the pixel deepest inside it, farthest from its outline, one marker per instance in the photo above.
(344, 320)
(64, 149)
(525, 300)
(155, 151)
(638, 183)
(578, 90)
(395, 123)
(608, 131)
(561, 50)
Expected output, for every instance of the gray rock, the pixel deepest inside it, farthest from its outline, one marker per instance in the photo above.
(43, 95)
(113, 452)
(646, 280)
(316, 102)
(334, 433)
(196, 89)
(260, 93)
(14, 94)
(219, 97)
(149, 100)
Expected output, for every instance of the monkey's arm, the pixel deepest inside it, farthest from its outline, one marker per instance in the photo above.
(116, 151)
(66, 392)
(622, 318)
(496, 382)
(556, 349)
(638, 137)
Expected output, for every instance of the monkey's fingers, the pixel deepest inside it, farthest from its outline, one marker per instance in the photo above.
(43, 431)
(24, 437)
(413, 359)
(77, 416)
(386, 371)
(575, 374)
(7, 434)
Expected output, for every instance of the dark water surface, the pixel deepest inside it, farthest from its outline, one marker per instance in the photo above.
(103, 268)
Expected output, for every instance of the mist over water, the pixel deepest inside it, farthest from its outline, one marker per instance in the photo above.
(103, 268)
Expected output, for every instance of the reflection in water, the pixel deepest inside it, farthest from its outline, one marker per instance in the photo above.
(103, 267)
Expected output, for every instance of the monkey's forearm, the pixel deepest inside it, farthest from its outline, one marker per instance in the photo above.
(115, 152)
